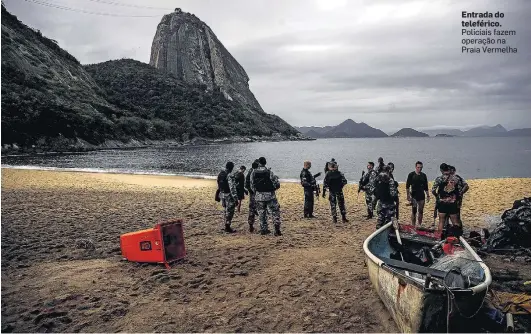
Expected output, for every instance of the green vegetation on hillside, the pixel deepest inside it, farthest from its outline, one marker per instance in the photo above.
(49, 100)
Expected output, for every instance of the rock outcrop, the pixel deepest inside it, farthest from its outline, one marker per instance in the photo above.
(347, 129)
(409, 132)
(52, 102)
(185, 46)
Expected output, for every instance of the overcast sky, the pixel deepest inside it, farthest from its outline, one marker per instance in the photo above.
(388, 63)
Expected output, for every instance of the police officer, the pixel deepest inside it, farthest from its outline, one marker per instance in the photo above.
(334, 181)
(252, 202)
(264, 184)
(228, 194)
(446, 188)
(397, 198)
(309, 184)
(385, 193)
(380, 166)
(367, 184)
(326, 165)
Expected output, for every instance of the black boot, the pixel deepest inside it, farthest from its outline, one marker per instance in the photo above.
(334, 219)
(277, 231)
(265, 232)
(251, 228)
(345, 220)
(229, 229)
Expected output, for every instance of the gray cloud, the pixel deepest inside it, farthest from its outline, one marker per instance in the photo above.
(390, 64)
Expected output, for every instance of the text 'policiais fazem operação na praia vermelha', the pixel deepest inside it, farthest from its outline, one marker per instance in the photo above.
(483, 33)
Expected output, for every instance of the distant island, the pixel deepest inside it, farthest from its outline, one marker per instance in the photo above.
(481, 131)
(347, 129)
(351, 129)
(409, 132)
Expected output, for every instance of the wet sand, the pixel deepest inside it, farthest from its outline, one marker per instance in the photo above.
(311, 279)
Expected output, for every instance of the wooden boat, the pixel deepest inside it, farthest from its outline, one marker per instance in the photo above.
(425, 296)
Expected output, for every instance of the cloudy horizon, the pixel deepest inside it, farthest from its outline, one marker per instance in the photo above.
(390, 64)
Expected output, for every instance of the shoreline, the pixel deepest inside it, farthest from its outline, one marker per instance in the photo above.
(63, 145)
(64, 228)
(189, 176)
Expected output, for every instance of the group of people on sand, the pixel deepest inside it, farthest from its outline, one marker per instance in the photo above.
(378, 183)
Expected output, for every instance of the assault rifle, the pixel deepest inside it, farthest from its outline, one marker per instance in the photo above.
(317, 189)
(359, 184)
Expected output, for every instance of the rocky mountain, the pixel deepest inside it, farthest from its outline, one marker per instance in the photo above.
(351, 129)
(485, 131)
(347, 129)
(187, 47)
(51, 102)
(409, 132)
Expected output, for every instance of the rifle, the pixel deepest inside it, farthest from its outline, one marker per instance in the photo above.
(316, 186)
(359, 184)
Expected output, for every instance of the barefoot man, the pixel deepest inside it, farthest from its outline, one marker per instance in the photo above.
(418, 182)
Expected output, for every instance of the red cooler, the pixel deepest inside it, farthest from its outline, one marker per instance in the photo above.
(163, 243)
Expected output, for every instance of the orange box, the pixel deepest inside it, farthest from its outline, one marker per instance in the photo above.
(163, 243)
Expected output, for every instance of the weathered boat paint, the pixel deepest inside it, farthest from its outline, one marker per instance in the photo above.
(413, 307)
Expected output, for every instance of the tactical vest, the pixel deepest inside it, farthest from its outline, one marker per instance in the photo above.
(223, 182)
(335, 182)
(262, 180)
(383, 191)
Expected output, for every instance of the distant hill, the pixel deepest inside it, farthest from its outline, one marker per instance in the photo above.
(347, 129)
(409, 132)
(451, 132)
(351, 129)
(485, 131)
(314, 134)
(316, 129)
(519, 132)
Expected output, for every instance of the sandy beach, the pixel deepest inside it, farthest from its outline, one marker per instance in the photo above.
(311, 279)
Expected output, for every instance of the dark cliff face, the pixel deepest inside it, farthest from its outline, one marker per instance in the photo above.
(51, 102)
(188, 48)
(45, 91)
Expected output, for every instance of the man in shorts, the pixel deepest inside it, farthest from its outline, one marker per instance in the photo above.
(446, 188)
(419, 193)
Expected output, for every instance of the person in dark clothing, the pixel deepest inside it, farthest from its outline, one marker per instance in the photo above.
(264, 184)
(397, 197)
(446, 188)
(326, 165)
(252, 203)
(228, 194)
(308, 183)
(240, 183)
(381, 165)
(334, 181)
(417, 192)
(385, 192)
(367, 185)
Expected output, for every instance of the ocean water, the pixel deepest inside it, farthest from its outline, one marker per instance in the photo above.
(474, 158)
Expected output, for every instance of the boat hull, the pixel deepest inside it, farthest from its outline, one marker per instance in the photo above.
(413, 307)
